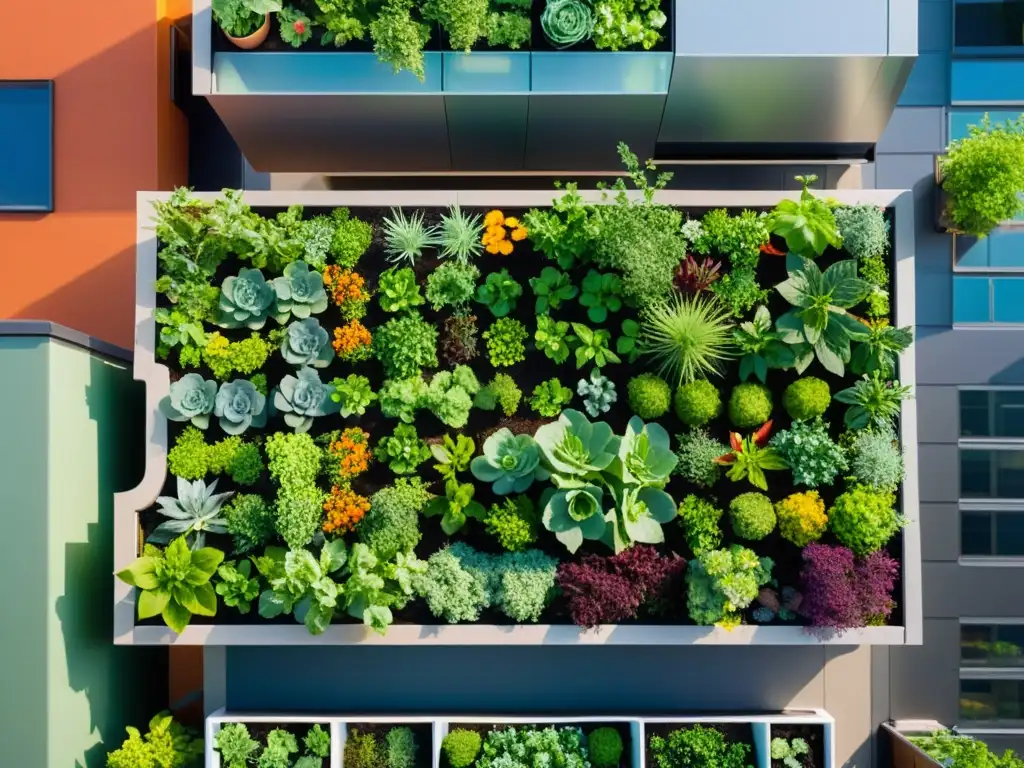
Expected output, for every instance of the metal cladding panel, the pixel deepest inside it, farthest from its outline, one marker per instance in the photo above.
(782, 99)
(581, 132)
(487, 133)
(335, 134)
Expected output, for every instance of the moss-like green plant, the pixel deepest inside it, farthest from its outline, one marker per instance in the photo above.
(352, 238)
(405, 346)
(392, 524)
(750, 405)
(697, 403)
(752, 516)
(806, 398)
(697, 452)
(513, 523)
(864, 519)
(604, 745)
(460, 747)
(864, 229)
(700, 519)
(649, 396)
(504, 340)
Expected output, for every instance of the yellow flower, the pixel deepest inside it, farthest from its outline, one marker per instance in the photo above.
(493, 247)
(512, 222)
(505, 247)
(494, 219)
(519, 233)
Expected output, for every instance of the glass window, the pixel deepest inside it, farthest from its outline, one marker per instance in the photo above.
(972, 300)
(960, 119)
(1008, 299)
(26, 146)
(996, 23)
(992, 413)
(986, 81)
(991, 645)
(1003, 248)
(991, 474)
(992, 533)
(995, 701)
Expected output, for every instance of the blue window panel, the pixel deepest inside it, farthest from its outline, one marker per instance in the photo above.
(959, 119)
(972, 301)
(934, 31)
(26, 146)
(986, 81)
(928, 84)
(1003, 248)
(600, 72)
(333, 72)
(1008, 299)
(487, 72)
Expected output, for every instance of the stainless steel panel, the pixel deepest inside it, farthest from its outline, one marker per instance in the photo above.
(487, 133)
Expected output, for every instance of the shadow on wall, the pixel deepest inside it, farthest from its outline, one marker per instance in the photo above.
(124, 685)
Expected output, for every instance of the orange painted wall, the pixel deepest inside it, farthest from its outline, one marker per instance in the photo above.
(116, 132)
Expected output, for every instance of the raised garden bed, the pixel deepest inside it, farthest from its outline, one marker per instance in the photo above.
(420, 613)
(298, 742)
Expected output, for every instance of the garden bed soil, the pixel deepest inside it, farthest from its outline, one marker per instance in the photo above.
(586, 726)
(734, 732)
(812, 733)
(523, 264)
(423, 732)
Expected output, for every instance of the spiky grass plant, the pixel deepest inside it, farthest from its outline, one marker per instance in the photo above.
(459, 235)
(406, 237)
(688, 336)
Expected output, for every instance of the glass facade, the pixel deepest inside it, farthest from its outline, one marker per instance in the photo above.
(992, 533)
(992, 645)
(992, 701)
(992, 413)
(981, 300)
(988, 26)
(26, 146)
(991, 474)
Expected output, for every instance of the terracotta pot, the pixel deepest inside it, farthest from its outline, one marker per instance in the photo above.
(255, 40)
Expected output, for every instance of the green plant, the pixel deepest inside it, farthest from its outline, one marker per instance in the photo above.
(700, 519)
(749, 457)
(738, 237)
(864, 519)
(723, 582)
(688, 337)
(502, 392)
(549, 397)
(876, 459)
(650, 396)
(236, 587)
(363, 751)
(873, 401)
(807, 224)
(174, 582)
(604, 746)
(750, 404)
(513, 523)
(353, 395)
(622, 23)
(305, 342)
(241, 18)
(806, 398)
(864, 229)
(461, 746)
(450, 590)
(281, 745)
(592, 346)
(509, 462)
(553, 338)
(739, 291)
(876, 272)
(762, 347)
(452, 284)
(250, 521)
(465, 21)
(405, 238)
(574, 514)
(405, 346)
(401, 398)
(565, 231)
(299, 293)
(450, 395)
(398, 290)
(238, 406)
(499, 293)
(298, 512)
(453, 456)
(752, 516)
(958, 750)
(983, 174)
(301, 584)
(225, 357)
(302, 398)
(528, 746)
(237, 748)
(551, 288)
(401, 748)
(598, 393)
(504, 341)
(296, 29)
(880, 350)
(601, 293)
(458, 340)
(801, 517)
(818, 325)
(391, 526)
(697, 403)
(567, 22)
(318, 742)
(294, 463)
(167, 744)
(403, 451)
(698, 746)
(459, 233)
(809, 451)
(697, 453)
(191, 398)
(628, 343)
(455, 507)
(789, 751)
(352, 236)
(196, 511)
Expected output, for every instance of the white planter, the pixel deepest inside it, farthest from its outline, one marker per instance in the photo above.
(155, 375)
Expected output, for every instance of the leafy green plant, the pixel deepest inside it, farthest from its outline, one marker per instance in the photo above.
(353, 395)
(752, 516)
(499, 293)
(567, 22)
(873, 400)
(553, 338)
(789, 752)
(505, 340)
(808, 224)
(196, 511)
(697, 402)
(697, 453)
(806, 398)
(174, 582)
(551, 288)
(459, 234)
(700, 519)
(880, 350)
(601, 294)
(983, 174)
(452, 284)
(302, 398)
(509, 462)
(236, 587)
(749, 457)
(405, 237)
(465, 21)
(809, 451)
(403, 451)
(723, 582)
(391, 527)
(301, 584)
(592, 346)
(762, 347)
(318, 742)
(574, 514)
(649, 396)
(461, 746)
(502, 393)
(352, 236)
(363, 751)
(513, 523)
(167, 744)
(598, 393)
(739, 291)
(958, 750)
(622, 23)
(818, 325)
(864, 519)
(627, 344)
(250, 521)
(453, 455)
(241, 18)
(549, 397)
(405, 346)
(528, 746)
(237, 748)
(296, 29)
(455, 507)
(401, 398)
(689, 338)
(565, 231)
(450, 395)
(864, 229)
(398, 290)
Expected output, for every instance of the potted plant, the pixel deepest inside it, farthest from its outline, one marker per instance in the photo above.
(246, 23)
(981, 178)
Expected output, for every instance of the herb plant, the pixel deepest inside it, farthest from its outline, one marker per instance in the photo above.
(551, 288)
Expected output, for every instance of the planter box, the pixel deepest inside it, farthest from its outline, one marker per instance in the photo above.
(156, 378)
(905, 754)
(638, 729)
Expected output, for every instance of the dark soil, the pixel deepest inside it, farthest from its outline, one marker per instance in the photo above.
(813, 734)
(523, 264)
(587, 727)
(734, 732)
(422, 731)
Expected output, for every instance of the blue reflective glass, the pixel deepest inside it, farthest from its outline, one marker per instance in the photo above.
(960, 119)
(1008, 299)
(26, 146)
(487, 72)
(1002, 248)
(600, 72)
(980, 81)
(333, 72)
(971, 300)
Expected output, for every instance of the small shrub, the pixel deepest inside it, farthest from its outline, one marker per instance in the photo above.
(801, 517)
(700, 518)
(697, 403)
(649, 396)
(604, 745)
(841, 592)
(806, 398)
(505, 340)
(865, 230)
(505, 393)
(723, 582)
(809, 451)
(864, 519)
(363, 751)
(401, 748)
(789, 752)
(461, 747)
(750, 405)
(392, 524)
(513, 523)
(696, 453)
(752, 516)
(876, 459)
(698, 747)
(550, 397)
(405, 346)
(250, 521)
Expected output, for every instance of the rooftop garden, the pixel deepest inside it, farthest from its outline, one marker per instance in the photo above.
(585, 414)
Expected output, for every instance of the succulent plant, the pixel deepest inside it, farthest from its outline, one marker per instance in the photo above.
(238, 406)
(246, 300)
(192, 399)
(511, 462)
(646, 454)
(574, 447)
(302, 398)
(598, 393)
(306, 342)
(195, 512)
(574, 514)
(300, 293)
(639, 513)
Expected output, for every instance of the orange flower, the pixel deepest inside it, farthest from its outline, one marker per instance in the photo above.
(494, 218)
(345, 285)
(493, 248)
(505, 247)
(344, 508)
(352, 341)
(352, 453)
(512, 222)
(519, 233)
